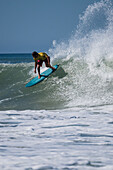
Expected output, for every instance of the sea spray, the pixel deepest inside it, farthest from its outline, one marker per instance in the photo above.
(89, 57)
(92, 41)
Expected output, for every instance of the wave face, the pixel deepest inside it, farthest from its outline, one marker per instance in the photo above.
(85, 75)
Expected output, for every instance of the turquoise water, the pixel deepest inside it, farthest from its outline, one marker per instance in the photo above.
(65, 122)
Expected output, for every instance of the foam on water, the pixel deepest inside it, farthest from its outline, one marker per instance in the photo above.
(92, 41)
(58, 139)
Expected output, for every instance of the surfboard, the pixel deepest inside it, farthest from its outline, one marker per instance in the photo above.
(44, 75)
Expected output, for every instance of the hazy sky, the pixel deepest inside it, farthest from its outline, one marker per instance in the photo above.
(28, 25)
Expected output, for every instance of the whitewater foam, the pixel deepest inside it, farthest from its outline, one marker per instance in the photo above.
(92, 41)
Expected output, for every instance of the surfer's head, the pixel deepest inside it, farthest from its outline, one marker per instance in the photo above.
(34, 54)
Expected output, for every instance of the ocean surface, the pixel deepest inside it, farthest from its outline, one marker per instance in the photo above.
(66, 121)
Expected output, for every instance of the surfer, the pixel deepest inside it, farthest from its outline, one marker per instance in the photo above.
(39, 59)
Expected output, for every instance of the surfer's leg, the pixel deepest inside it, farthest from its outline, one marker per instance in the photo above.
(47, 64)
(51, 67)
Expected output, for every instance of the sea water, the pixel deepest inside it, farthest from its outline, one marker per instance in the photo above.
(65, 122)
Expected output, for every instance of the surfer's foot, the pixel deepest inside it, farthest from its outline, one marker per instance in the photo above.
(53, 68)
(39, 77)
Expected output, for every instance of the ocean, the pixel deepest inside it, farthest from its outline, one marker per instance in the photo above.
(66, 121)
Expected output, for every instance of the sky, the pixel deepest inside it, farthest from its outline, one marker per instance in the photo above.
(28, 25)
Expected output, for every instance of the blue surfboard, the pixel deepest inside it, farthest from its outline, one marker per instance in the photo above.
(44, 75)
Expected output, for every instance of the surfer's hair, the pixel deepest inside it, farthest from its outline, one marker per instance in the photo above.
(34, 54)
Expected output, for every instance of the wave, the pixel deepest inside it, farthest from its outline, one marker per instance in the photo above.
(85, 75)
(92, 41)
(64, 88)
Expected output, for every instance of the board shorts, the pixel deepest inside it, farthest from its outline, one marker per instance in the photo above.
(40, 62)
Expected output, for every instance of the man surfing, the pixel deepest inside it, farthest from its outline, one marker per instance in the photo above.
(39, 59)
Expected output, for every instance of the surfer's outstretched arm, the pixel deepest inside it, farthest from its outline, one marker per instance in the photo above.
(38, 67)
(35, 67)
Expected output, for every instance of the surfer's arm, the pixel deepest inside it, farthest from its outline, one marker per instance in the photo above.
(35, 67)
(39, 72)
(48, 59)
